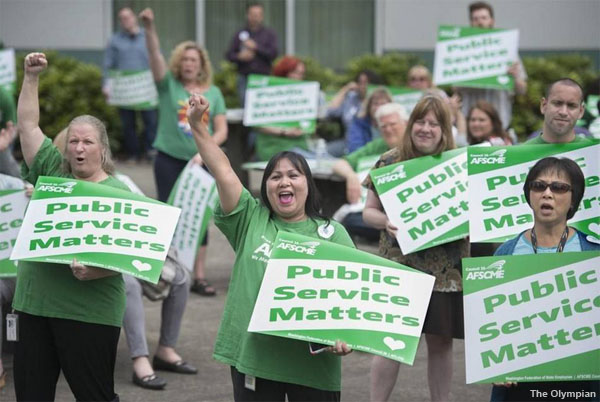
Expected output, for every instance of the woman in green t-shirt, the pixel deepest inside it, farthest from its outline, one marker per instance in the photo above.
(188, 72)
(69, 316)
(266, 367)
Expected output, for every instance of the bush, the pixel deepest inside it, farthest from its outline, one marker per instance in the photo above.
(392, 67)
(69, 88)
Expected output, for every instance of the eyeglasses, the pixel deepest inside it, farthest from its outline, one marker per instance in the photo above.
(556, 187)
(415, 78)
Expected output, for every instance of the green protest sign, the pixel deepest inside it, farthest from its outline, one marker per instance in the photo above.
(99, 225)
(427, 198)
(532, 317)
(475, 57)
(8, 72)
(407, 97)
(196, 194)
(12, 208)
(281, 102)
(310, 292)
(132, 89)
(498, 208)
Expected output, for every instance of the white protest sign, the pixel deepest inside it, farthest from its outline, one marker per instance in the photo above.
(426, 198)
(281, 102)
(475, 57)
(132, 89)
(319, 291)
(532, 317)
(12, 208)
(8, 71)
(99, 225)
(498, 208)
(195, 193)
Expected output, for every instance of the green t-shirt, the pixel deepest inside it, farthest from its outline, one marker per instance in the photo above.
(376, 147)
(51, 290)
(268, 145)
(540, 140)
(174, 135)
(251, 232)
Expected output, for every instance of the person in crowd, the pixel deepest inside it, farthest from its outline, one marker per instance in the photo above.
(263, 367)
(428, 133)
(189, 71)
(69, 315)
(272, 140)
(346, 104)
(391, 119)
(484, 125)
(8, 118)
(553, 189)
(253, 48)
(364, 126)
(481, 15)
(7, 182)
(561, 106)
(165, 358)
(419, 77)
(126, 50)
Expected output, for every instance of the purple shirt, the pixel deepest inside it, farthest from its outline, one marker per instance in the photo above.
(266, 51)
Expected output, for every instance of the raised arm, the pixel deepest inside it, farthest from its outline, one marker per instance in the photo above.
(157, 61)
(28, 108)
(353, 190)
(229, 185)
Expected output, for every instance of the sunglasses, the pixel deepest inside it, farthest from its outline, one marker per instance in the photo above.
(556, 186)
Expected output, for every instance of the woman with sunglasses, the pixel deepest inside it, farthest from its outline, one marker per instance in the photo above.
(553, 189)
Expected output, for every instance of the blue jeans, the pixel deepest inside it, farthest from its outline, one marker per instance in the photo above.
(130, 141)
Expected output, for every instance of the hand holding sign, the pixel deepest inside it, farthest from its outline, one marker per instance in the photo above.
(85, 273)
(35, 63)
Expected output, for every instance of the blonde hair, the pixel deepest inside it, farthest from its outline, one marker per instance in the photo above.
(440, 109)
(107, 163)
(205, 74)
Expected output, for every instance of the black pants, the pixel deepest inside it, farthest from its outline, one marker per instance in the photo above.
(166, 171)
(84, 352)
(267, 390)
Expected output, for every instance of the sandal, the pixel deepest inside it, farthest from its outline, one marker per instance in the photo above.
(203, 288)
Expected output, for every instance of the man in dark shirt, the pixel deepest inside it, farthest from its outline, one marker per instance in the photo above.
(253, 48)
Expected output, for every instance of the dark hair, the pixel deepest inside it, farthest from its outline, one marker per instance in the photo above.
(492, 113)
(372, 76)
(478, 5)
(564, 81)
(254, 4)
(561, 166)
(312, 207)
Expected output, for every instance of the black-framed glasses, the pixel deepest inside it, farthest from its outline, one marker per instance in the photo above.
(556, 187)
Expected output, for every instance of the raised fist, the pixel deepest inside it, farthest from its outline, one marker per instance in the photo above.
(35, 63)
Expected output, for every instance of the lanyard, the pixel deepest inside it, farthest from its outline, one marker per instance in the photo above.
(561, 243)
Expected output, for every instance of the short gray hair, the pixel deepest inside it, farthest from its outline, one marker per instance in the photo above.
(391, 108)
(108, 165)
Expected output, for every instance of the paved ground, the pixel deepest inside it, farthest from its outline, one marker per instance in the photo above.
(200, 324)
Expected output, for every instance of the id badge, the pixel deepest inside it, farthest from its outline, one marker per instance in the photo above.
(250, 382)
(12, 327)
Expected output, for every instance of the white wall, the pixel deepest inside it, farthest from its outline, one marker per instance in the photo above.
(51, 24)
(543, 24)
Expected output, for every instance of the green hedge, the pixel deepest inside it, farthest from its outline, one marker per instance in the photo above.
(69, 88)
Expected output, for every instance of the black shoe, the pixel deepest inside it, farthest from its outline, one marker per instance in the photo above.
(203, 288)
(180, 366)
(151, 381)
